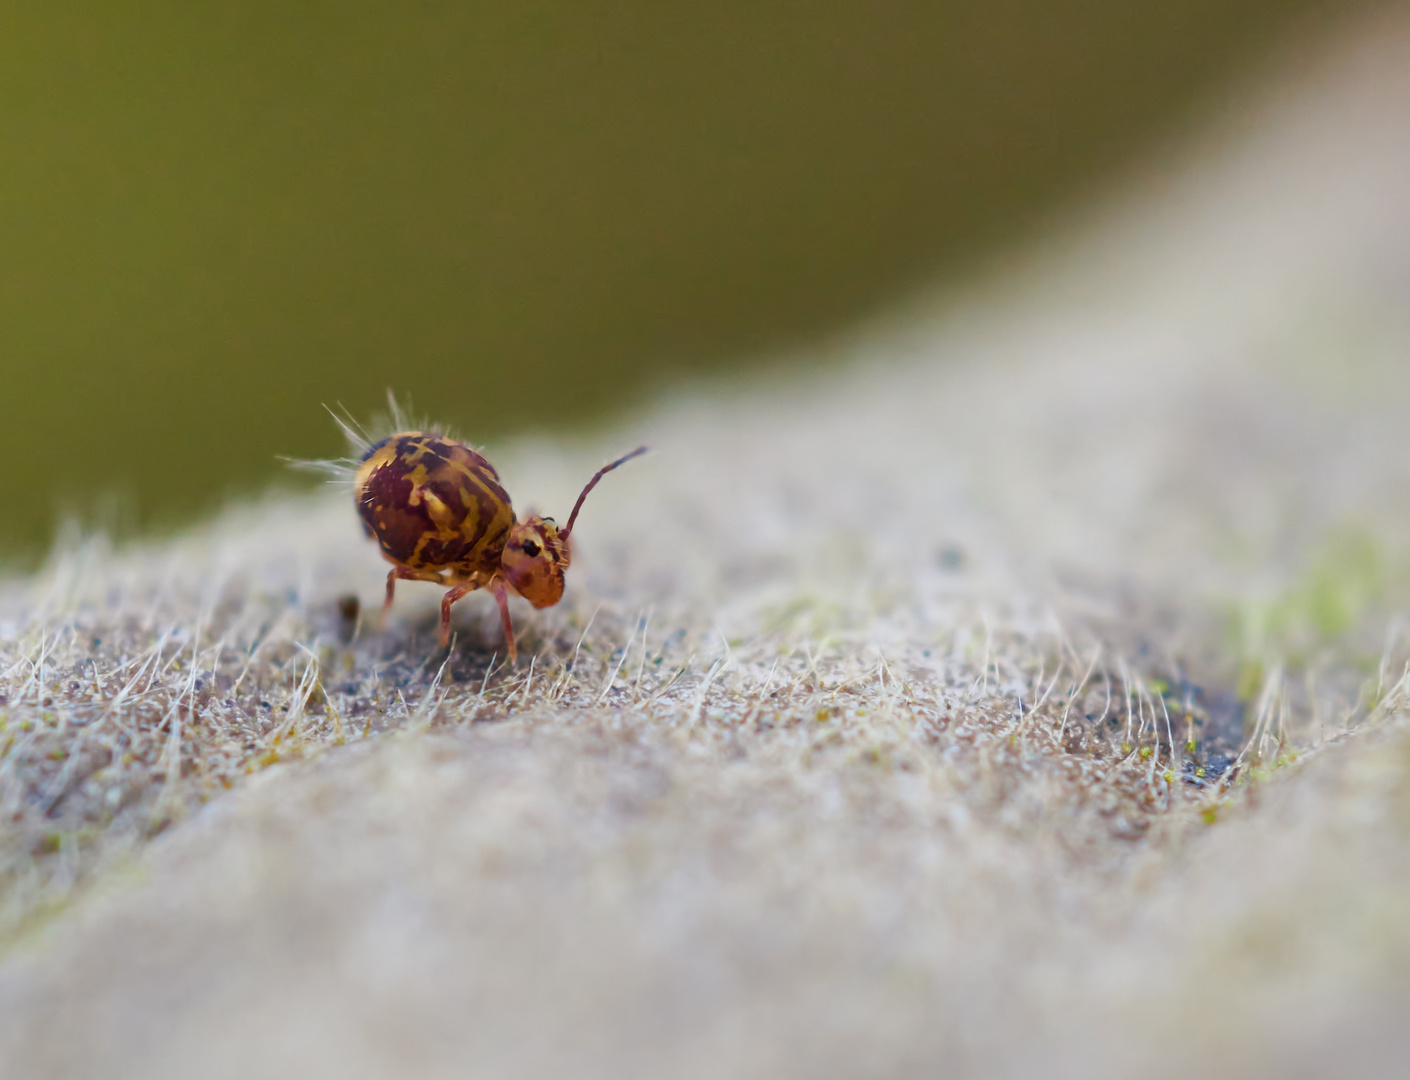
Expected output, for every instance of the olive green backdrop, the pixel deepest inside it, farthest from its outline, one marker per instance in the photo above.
(214, 217)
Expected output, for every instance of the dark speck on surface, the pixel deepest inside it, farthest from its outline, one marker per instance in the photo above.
(1224, 730)
(349, 608)
(1216, 765)
(950, 558)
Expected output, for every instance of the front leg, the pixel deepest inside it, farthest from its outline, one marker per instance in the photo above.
(501, 595)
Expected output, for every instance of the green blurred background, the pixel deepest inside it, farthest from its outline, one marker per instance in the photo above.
(214, 217)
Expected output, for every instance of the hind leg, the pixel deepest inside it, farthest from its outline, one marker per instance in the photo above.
(405, 573)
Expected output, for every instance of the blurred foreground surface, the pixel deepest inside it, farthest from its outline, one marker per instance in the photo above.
(1029, 697)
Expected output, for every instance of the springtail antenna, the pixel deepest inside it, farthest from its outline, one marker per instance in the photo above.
(593, 483)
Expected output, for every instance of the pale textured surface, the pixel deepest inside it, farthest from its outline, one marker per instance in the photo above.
(858, 746)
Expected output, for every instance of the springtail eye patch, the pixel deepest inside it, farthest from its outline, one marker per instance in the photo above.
(531, 548)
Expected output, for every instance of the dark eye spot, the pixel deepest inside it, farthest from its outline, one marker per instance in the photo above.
(531, 548)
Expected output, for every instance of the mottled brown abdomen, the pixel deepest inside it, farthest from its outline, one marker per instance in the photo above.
(433, 503)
